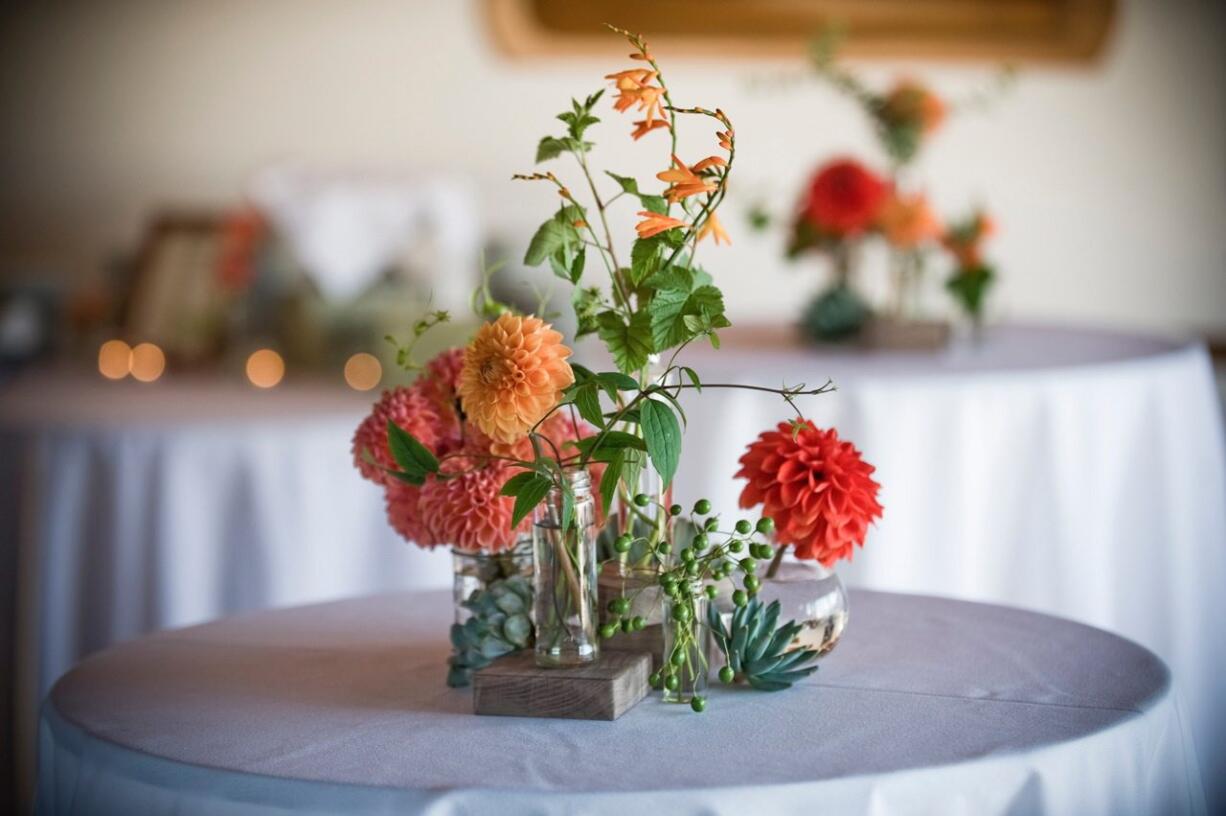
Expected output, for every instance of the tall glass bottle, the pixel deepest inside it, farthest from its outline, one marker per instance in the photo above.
(565, 606)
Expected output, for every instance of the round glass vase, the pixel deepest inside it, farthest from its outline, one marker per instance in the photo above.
(687, 646)
(564, 577)
(475, 572)
(813, 596)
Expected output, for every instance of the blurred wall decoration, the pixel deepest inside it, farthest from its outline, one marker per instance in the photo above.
(1059, 30)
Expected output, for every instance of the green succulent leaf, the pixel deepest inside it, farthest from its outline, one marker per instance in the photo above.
(757, 649)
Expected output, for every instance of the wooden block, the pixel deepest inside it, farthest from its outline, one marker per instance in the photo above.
(650, 640)
(905, 335)
(515, 686)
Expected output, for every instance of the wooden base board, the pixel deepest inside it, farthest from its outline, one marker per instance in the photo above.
(515, 686)
(649, 641)
(905, 335)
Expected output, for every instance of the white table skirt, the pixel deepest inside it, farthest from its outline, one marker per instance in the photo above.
(926, 706)
(1076, 473)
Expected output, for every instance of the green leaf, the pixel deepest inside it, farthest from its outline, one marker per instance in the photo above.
(662, 434)
(627, 183)
(587, 400)
(670, 308)
(576, 267)
(412, 456)
(568, 506)
(516, 483)
(693, 376)
(618, 380)
(550, 237)
(644, 260)
(529, 496)
(549, 148)
(655, 204)
(608, 480)
(588, 304)
(630, 344)
(610, 440)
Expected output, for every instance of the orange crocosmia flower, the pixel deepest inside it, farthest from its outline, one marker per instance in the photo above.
(713, 228)
(684, 182)
(725, 139)
(907, 221)
(643, 127)
(654, 224)
(514, 372)
(709, 162)
(633, 88)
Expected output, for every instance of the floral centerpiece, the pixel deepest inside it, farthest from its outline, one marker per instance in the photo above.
(847, 204)
(509, 434)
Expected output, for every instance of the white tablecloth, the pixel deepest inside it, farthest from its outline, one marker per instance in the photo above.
(1073, 472)
(926, 706)
(126, 508)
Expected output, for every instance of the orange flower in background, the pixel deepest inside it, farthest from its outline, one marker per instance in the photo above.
(634, 88)
(964, 240)
(713, 228)
(654, 224)
(817, 488)
(910, 103)
(907, 221)
(514, 372)
(684, 182)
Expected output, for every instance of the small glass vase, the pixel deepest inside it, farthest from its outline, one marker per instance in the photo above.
(687, 644)
(564, 575)
(476, 571)
(813, 596)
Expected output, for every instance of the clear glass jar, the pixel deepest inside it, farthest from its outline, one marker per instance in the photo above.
(564, 576)
(476, 571)
(687, 645)
(811, 595)
(652, 524)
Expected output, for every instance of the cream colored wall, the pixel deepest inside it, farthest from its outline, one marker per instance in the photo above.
(1109, 182)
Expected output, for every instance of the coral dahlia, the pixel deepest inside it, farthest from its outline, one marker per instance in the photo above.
(466, 508)
(403, 502)
(514, 372)
(816, 487)
(410, 409)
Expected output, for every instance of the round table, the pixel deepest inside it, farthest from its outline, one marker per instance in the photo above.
(927, 706)
(1075, 472)
(129, 507)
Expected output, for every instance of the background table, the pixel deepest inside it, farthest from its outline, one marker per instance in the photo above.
(126, 508)
(927, 706)
(1079, 473)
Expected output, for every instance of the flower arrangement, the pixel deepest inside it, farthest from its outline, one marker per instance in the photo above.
(847, 204)
(510, 428)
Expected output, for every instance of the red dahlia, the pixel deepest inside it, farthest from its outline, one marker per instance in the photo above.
(816, 487)
(844, 198)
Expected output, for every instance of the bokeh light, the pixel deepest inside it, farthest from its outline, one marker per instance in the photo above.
(148, 362)
(114, 359)
(265, 368)
(363, 371)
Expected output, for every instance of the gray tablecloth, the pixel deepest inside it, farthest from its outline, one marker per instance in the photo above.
(928, 705)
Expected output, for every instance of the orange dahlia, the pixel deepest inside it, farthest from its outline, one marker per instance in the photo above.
(410, 409)
(907, 221)
(465, 506)
(514, 372)
(817, 488)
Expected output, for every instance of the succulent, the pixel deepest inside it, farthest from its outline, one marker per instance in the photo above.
(500, 624)
(756, 650)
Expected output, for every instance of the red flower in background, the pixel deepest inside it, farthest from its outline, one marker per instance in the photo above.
(845, 198)
(816, 487)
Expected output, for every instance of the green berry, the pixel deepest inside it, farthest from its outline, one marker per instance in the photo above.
(736, 545)
(664, 548)
(748, 564)
(726, 674)
(678, 658)
(668, 582)
(702, 507)
(627, 625)
(693, 568)
(766, 525)
(700, 542)
(676, 510)
(699, 704)
(740, 598)
(711, 524)
(619, 606)
(608, 630)
(687, 555)
(642, 500)
(623, 543)
(752, 583)
(681, 613)
(711, 591)
(655, 680)
(637, 623)
(743, 527)
(672, 682)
